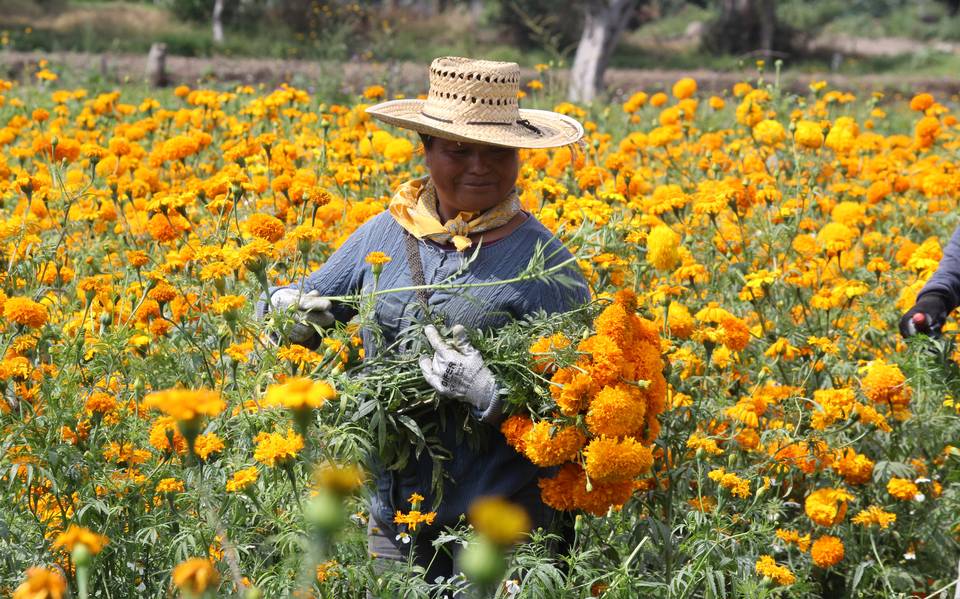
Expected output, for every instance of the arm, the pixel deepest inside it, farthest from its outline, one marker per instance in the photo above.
(946, 281)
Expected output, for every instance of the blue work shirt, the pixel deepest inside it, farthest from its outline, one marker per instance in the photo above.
(485, 464)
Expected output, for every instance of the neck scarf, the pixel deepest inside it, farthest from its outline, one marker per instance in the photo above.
(416, 208)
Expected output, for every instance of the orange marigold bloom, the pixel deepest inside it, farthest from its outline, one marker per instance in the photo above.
(195, 575)
(903, 489)
(24, 311)
(547, 444)
(793, 537)
(886, 384)
(207, 445)
(855, 468)
(514, 428)
(300, 393)
(542, 351)
(242, 479)
(827, 551)
(616, 411)
(921, 102)
(170, 485)
(78, 535)
(265, 226)
(609, 460)
(42, 583)
(827, 506)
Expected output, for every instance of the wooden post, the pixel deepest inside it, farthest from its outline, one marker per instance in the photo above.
(156, 71)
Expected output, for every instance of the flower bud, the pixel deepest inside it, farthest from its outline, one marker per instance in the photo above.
(325, 512)
(482, 562)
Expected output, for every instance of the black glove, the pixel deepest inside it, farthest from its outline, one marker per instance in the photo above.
(926, 316)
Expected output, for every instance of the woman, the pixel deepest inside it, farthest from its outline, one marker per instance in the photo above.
(471, 128)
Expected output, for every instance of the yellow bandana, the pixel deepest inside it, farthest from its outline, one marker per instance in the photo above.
(414, 207)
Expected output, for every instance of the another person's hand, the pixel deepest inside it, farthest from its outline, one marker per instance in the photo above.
(458, 371)
(927, 316)
(311, 309)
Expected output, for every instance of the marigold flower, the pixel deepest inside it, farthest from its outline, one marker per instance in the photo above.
(78, 535)
(827, 551)
(499, 520)
(195, 575)
(827, 506)
(808, 135)
(24, 311)
(300, 393)
(242, 479)
(616, 411)
(275, 449)
(662, 244)
(793, 537)
(377, 259)
(170, 485)
(207, 445)
(184, 404)
(42, 583)
(414, 518)
(903, 489)
(874, 515)
(515, 428)
(684, 88)
(766, 566)
(609, 460)
(547, 444)
(266, 227)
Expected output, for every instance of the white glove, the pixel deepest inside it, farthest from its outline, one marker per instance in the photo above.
(311, 309)
(459, 371)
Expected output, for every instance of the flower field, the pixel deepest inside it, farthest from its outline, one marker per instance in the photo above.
(755, 247)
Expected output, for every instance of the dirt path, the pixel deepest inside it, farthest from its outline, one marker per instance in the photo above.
(410, 77)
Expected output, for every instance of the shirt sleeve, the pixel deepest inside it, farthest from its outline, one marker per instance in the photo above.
(946, 280)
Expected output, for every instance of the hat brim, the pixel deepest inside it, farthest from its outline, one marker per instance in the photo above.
(555, 129)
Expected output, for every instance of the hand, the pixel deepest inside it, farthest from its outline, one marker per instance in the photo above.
(458, 371)
(926, 316)
(311, 309)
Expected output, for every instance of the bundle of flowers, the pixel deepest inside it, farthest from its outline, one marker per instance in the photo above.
(600, 416)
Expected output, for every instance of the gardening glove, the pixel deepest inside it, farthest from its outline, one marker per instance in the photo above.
(311, 309)
(926, 316)
(458, 371)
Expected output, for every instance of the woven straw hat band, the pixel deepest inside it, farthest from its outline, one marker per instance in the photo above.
(473, 92)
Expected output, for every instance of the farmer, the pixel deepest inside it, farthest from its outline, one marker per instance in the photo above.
(471, 129)
(938, 297)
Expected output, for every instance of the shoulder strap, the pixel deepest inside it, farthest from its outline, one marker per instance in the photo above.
(416, 269)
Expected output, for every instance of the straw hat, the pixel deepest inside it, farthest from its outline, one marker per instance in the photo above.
(476, 101)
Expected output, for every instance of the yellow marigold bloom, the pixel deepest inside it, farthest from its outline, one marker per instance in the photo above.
(827, 506)
(885, 383)
(684, 88)
(242, 479)
(705, 504)
(229, 304)
(414, 518)
(904, 489)
(827, 551)
(835, 238)
(327, 570)
(635, 102)
(730, 481)
(342, 479)
(497, 519)
(874, 515)
(299, 393)
(195, 576)
(275, 449)
(377, 259)
(547, 444)
(769, 132)
(170, 485)
(662, 248)
(24, 311)
(808, 134)
(42, 583)
(78, 535)
(793, 537)
(658, 99)
(716, 102)
(766, 566)
(184, 404)
(609, 460)
(207, 445)
(700, 442)
(679, 321)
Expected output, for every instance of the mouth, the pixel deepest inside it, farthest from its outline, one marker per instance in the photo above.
(479, 184)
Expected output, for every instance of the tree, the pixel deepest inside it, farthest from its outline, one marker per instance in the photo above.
(218, 22)
(603, 23)
(745, 26)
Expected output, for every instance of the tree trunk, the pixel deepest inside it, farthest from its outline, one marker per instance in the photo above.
(156, 71)
(603, 23)
(218, 22)
(745, 26)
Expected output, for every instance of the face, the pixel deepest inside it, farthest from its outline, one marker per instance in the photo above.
(470, 177)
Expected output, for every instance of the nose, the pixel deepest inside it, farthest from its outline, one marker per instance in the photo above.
(478, 163)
